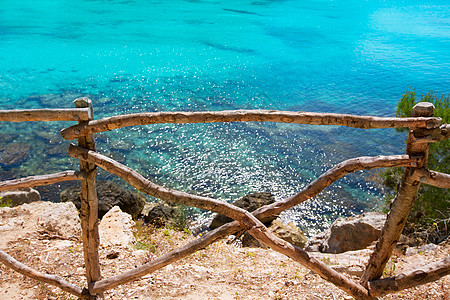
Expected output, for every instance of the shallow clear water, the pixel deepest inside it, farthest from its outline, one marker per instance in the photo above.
(349, 56)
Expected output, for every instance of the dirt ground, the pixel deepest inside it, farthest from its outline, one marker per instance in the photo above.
(221, 271)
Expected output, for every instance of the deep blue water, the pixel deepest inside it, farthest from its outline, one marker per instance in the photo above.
(347, 56)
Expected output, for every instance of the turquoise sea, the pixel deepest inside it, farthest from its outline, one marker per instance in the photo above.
(343, 56)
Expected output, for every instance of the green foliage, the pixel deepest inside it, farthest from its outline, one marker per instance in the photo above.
(409, 99)
(142, 234)
(432, 203)
(5, 202)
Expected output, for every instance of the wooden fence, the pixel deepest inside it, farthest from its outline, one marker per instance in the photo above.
(424, 129)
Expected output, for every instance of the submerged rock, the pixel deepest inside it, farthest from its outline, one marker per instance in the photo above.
(14, 154)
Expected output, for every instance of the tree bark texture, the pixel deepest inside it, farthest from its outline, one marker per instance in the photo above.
(89, 205)
(23, 115)
(422, 275)
(40, 180)
(402, 204)
(434, 178)
(47, 278)
(365, 122)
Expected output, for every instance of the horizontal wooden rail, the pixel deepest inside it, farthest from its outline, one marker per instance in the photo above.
(40, 180)
(419, 276)
(365, 122)
(434, 178)
(60, 114)
(47, 278)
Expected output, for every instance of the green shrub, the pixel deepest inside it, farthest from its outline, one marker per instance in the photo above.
(432, 203)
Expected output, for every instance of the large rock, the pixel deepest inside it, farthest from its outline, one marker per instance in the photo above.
(59, 219)
(159, 214)
(109, 195)
(250, 203)
(20, 196)
(44, 219)
(116, 229)
(349, 234)
(290, 233)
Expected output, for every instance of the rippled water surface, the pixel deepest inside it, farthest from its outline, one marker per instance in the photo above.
(349, 56)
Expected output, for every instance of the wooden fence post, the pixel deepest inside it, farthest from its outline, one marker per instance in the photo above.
(89, 206)
(403, 202)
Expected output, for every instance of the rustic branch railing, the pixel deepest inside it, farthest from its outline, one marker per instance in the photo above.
(424, 130)
(73, 114)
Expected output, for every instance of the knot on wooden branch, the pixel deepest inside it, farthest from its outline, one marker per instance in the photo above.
(424, 136)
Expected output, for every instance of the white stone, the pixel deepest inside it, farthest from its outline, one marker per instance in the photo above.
(59, 219)
(116, 229)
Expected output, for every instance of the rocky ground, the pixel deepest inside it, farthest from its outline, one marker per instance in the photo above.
(221, 271)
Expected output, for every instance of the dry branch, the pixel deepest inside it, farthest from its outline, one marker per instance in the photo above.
(425, 136)
(365, 122)
(62, 114)
(89, 204)
(422, 275)
(47, 278)
(40, 180)
(402, 204)
(434, 178)
(259, 231)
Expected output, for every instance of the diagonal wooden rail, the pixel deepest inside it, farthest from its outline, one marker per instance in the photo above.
(424, 130)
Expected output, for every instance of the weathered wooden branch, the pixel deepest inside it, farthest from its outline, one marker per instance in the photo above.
(402, 204)
(60, 114)
(425, 136)
(47, 278)
(40, 180)
(89, 205)
(422, 275)
(434, 178)
(365, 122)
(150, 188)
